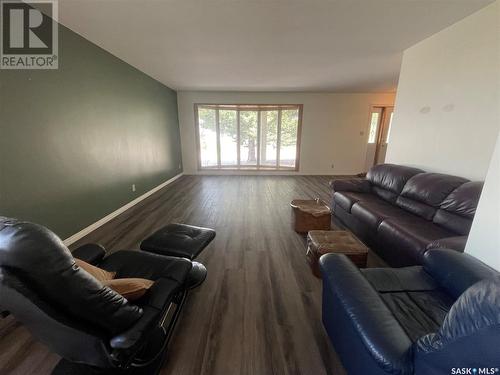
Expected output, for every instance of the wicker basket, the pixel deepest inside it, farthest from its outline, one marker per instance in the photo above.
(339, 241)
(310, 215)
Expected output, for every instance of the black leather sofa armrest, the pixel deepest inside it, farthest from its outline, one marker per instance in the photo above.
(382, 336)
(91, 253)
(455, 271)
(357, 185)
(454, 243)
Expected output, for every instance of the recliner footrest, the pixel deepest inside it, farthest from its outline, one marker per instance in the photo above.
(178, 240)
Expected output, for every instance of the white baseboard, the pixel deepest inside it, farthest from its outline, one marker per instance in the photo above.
(75, 237)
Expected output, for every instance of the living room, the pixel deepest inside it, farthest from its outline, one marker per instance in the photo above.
(250, 187)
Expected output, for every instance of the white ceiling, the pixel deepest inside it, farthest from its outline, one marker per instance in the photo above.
(264, 45)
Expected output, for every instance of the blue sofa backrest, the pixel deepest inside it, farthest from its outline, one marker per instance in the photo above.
(456, 272)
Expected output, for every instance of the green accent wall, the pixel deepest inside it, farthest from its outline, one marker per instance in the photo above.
(74, 140)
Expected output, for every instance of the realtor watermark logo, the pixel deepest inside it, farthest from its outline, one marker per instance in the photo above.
(29, 37)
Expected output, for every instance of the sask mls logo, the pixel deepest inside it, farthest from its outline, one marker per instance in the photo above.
(29, 34)
(474, 371)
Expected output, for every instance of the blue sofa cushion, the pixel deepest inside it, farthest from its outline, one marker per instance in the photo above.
(360, 325)
(413, 298)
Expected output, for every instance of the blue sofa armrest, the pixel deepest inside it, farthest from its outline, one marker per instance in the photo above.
(91, 253)
(357, 185)
(454, 271)
(363, 330)
(469, 336)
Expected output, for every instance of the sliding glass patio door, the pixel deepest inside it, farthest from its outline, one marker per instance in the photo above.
(248, 136)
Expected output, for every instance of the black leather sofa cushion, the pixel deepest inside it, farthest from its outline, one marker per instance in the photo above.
(454, 223)
(180, 240)
(463, 200)
(426, 191)
(410, 236)
(38, 254)
(357, 185)
(458, 208)
(417, 208)
(384, 194)
(431, 188)
(346, 199)
(388, 180)
(373, 212)
(391, 177)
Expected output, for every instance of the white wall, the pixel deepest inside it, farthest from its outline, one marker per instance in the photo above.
(484, 237)
(334, 126)
(446, 115)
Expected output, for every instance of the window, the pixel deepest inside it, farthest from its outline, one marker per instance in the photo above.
(373, 127)
(264, 137)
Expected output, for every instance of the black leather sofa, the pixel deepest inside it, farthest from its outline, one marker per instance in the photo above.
(421, 320)
(401, 212)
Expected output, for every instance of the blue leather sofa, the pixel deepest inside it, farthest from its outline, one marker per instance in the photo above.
(438, 318)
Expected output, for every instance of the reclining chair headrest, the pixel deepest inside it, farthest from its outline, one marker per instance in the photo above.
(41, 261)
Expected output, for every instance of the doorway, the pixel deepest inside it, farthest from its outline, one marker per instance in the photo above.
(379, 135)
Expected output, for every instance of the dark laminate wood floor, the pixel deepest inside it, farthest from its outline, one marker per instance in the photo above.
(259, 311)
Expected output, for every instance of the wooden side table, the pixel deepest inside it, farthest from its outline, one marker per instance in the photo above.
(320, 242)
(310, 215)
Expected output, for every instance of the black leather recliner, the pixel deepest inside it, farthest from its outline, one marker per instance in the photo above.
(74, 314)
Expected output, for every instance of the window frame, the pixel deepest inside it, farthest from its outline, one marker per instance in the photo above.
(248, 107)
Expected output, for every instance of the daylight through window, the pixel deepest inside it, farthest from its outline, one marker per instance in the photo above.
(248, 136)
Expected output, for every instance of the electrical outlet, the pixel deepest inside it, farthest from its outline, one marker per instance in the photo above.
(133, 187)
